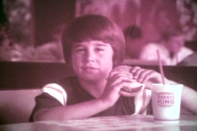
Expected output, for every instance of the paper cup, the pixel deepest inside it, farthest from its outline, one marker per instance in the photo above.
(166, 101)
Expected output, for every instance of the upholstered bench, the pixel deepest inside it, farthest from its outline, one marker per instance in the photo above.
(16, 105)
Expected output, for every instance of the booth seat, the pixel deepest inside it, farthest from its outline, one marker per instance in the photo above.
(21, 82)
(17, 105)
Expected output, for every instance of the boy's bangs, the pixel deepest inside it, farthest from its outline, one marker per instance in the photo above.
(105, 34)
(95, 28)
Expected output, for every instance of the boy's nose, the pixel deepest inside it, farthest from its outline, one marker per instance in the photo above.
(90, 56)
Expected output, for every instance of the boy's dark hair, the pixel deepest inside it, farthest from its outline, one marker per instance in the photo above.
(94, 27)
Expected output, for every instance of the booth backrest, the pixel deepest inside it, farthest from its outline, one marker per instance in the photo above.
(17, 105)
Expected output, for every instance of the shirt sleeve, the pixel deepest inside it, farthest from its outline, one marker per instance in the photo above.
(44, 101)
(57, 92)
(52, 95)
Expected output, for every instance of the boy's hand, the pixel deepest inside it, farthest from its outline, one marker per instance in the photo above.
(115, 82)
(146, 76)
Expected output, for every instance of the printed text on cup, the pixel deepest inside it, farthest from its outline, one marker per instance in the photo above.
(166, 99)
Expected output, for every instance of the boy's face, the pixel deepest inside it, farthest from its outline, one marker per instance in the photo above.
(92, 61)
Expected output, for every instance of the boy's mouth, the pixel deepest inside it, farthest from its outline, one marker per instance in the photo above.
(89, 68)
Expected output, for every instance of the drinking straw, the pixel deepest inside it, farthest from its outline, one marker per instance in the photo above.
(160, 67)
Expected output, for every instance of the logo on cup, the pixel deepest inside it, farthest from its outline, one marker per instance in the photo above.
(166, 99)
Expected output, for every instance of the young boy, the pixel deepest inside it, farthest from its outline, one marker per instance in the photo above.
(93, 46)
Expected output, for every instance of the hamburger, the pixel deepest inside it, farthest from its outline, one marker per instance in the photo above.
(134, 87)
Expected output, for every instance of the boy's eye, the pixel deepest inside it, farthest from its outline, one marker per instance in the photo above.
(80, 50)
(99, 49)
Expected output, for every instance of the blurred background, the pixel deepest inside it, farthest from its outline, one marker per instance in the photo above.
(30, 30)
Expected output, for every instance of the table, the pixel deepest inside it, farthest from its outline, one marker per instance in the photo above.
(111, 123)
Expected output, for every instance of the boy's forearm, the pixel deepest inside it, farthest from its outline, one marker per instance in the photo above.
(188, 99)
(77, 111)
